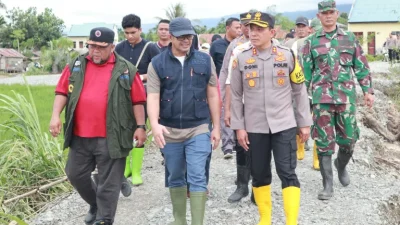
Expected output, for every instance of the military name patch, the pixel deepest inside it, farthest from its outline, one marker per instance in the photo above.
(251, 67)
(250, 61)
(281, 65)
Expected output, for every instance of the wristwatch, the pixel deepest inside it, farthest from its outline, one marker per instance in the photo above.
(141, 126)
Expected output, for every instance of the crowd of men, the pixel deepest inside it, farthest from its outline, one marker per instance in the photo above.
(248, 87)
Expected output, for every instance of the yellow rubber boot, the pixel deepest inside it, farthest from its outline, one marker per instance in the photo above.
(315, 157)
(262, 196)
(291, 204)
(300, 148)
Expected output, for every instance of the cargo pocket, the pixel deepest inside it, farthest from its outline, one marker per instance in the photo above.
(199, 75)
(280, 78)
(252, 80)
(346, 56)
(126, 137)
(201, 105)
(166, 104)
(293, 154)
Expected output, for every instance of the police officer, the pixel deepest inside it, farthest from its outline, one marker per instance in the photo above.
(242, 160)
(329, 58)
(182, 94)
(104, 99)
(266, 77)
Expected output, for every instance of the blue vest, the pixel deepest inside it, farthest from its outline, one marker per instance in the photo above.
(183, 93)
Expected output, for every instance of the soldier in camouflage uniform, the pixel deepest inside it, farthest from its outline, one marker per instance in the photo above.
(329, 58)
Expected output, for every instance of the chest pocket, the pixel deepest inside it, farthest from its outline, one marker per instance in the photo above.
(346, 55)
(168, 77)
(252, 79)
(321, 55)
(280, 77)
(199, 75)
(125, 88)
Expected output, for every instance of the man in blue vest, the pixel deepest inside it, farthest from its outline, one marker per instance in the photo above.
(182, 94)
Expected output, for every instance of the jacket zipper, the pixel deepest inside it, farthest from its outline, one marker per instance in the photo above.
(180, 117)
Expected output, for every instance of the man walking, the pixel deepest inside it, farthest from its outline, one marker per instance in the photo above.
(217, 52)
(139, 52)
(242, 159)
(104, 98)
(265, 80)
(163, 35)
(182, 94)
(330, 57)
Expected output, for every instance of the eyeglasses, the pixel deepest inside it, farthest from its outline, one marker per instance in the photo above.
(98, 47)
(188, 37)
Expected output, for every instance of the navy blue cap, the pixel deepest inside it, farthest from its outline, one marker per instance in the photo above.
(181, 26)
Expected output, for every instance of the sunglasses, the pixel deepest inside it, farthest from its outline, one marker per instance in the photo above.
(189, 37)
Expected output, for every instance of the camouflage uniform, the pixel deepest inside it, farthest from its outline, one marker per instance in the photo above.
(329, 60)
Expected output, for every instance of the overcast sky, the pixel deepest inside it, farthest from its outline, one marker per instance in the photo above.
(112, 11)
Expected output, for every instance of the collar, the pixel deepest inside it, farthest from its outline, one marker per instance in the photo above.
(339, 31)
(160, 45)
(110, 60)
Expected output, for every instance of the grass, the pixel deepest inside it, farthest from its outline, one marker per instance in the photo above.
(29, 157)
(43, 97)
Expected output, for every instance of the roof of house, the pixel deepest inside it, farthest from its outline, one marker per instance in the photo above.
(83, 30)
(369, 11)
(9, 52)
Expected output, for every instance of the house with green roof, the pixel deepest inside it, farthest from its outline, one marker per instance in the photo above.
(79, 33)
(372, 21)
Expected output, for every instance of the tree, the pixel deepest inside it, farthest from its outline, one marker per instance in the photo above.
(41, 28)
(343, 18)
(284, 22)
(219, 29)
(17, 35)
(174, 11)
(57, 54)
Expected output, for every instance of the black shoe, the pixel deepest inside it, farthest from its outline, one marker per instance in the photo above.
(103, 222)
(126, 188)
(228, 154)
(91, 215)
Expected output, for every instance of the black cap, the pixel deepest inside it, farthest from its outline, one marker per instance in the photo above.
(181, 26)
(245, 17)
(101, 36)
(263, 20)
(302, 20)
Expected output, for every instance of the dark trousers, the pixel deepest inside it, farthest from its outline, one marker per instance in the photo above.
(84, 155)
(283, 145)
(242, 156)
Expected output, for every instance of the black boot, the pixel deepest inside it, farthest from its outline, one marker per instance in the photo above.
(126, 188)
(340, 163)
(103, 222)
(325, 164)
(91, 215)
(242, 190)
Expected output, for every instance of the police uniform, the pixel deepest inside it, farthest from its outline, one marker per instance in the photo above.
(267, 81)
(242, 159)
